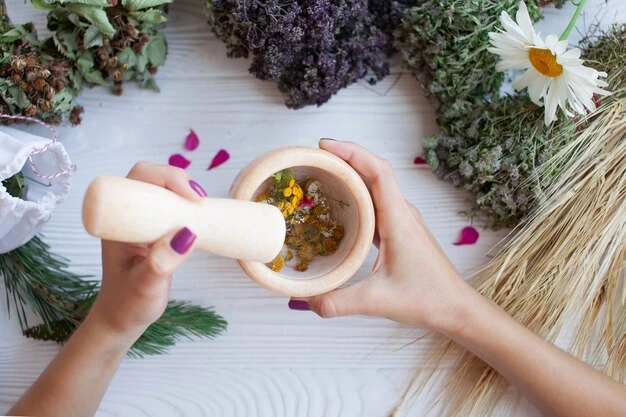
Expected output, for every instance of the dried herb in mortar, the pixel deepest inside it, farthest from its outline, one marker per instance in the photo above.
(311, 231)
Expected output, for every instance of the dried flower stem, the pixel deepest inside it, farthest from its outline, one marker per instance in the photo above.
(579, 8)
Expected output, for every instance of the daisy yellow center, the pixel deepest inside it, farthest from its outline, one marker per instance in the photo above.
(544, 61)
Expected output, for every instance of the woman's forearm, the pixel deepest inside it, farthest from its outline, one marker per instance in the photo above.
(557, 383)
(76, 380)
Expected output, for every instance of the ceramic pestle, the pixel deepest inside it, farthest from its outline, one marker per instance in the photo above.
(127, 210)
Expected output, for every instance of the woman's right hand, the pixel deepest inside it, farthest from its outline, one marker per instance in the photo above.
(412, 281)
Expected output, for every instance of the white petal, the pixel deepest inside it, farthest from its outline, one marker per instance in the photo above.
(563, 93)
(524, 22)
(550, 106)
(525, 80)
(535, 82)
(512, 29)
(509, 64)
(555, 46)
(561, 46)
(538, 87)
(503, 40)
(572, 53)
(538, 42)
(571, 58)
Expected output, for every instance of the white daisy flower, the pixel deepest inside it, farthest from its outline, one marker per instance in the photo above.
(555, 76)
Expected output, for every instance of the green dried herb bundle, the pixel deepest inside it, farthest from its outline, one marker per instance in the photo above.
(445, 44)
(488, 145)
(109, 43)
(94, 42)
(494, 151)
(31, 83)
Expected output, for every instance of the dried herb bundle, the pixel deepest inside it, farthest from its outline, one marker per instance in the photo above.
(494, 151)
(94, 42)
(109, 43)
(488, 145)
(311, 48)
(444, 43)
(31, 83)
(564, 265)
(387, 16)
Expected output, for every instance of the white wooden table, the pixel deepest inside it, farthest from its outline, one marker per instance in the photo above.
(272, 361)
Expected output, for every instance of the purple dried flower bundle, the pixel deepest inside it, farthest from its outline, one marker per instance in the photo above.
(311, 48)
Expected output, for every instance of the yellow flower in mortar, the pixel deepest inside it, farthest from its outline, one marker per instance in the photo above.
(294, 192)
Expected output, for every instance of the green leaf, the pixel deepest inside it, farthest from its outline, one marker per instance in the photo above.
(95, 77)
(75, 19)
(156, 50)
(94, 15)
(4, 94)
(19, 97)
(143, 4)
(14, 185)
(142, 61)
(17, 33)
(76, 79)
(282, 178)
(63, 101)
(128, 57)
(152, 16)
(66, 43)
(31, 37)
(85, 62)
(149, 82)
(99, 3)
(92, 37)
(11, 35)
(42, 4)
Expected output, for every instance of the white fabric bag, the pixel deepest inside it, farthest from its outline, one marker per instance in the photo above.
(22, 218)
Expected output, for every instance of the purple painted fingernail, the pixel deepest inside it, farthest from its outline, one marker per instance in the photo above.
(182, 240)
(197, 188)
(334, 140)
(299, 305)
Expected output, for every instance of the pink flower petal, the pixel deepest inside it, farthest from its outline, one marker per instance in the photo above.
(468, 236)
(179, 161)
(220, 157)
(419, 161)
(192, 141)
(306, 202)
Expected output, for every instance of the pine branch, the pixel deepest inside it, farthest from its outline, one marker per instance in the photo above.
(180, 319)
(37, 279)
